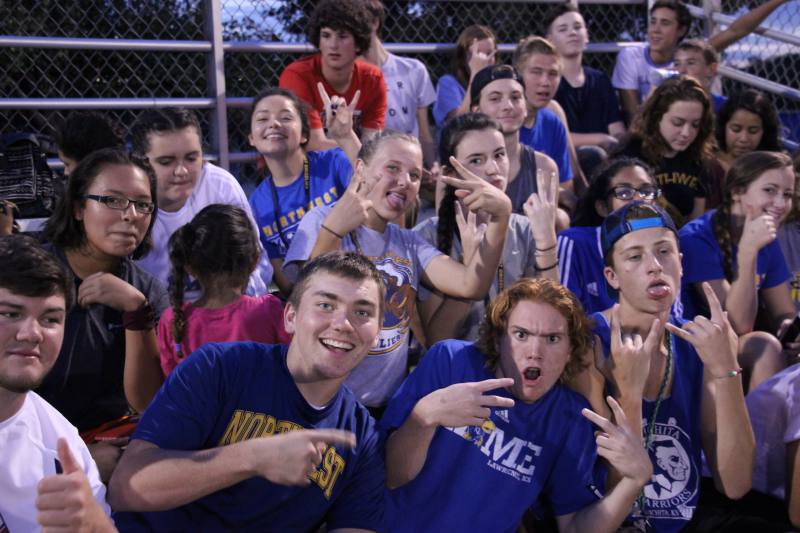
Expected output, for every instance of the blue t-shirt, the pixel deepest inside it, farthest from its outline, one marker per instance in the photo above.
(231, 392)
(717, 101)
(676, 445)
(329, 174)
(484, 478)
(703, 261)
(591, 107)
(449, 95)
(580, 257)
(549, 135)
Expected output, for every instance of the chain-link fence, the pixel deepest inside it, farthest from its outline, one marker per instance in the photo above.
(65, 73)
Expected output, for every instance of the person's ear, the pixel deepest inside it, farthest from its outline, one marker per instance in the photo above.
(289, 318)
(611, 277)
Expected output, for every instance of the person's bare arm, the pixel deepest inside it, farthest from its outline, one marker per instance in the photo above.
(779, 304)
(743, 25)
(629, 101)
(149, 478)
(725, 429)
(603, 140)
(317, 141)
(280, 279)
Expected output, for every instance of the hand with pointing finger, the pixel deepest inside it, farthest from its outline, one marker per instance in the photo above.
(477, 194)
(463, 404)
(291, 458)
(620, 446)
(713, 338)
(338, 113)
(65, 501)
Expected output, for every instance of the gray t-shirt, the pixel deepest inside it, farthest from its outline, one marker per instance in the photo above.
(524, 184)
(401, 255)
(789, 239)
(519, 260)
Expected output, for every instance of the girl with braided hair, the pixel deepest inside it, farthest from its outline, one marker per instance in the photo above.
(734, 248)
(219, 248)
(530, 247)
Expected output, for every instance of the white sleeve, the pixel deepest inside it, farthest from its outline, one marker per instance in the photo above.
(624, 76)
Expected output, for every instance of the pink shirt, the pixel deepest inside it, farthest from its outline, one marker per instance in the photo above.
(247, 319)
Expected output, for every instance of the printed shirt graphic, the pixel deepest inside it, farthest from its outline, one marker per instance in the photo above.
(248, 392)
(401, 255)
(329, 174)
(484, 478)
(675, 446)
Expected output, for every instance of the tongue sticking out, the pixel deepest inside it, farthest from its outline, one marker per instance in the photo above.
(396, 201)
(532, 373)
(659, 291)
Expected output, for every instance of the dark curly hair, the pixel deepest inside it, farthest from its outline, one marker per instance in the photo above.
(757, 103)
(83, 132)
(351, 16)
(646, 125)
(28, 269)
(67, 232)
(161, 120)
(547, 291)
(585, 212)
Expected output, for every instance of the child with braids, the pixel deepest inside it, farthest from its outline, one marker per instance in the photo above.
(734, 249)
(220, 249)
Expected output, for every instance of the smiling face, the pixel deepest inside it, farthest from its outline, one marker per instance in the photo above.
(568, 34)
(484, 153)
(394, 172)
(276, 128)
(31, 331)
(646, 269)
(177, 159)
(114, 233)
(743, 132)
(663, 32)
(504, 101)
(534, 350)
(541, 73)
(772, 193)
(335, 324)
(680, 125)
(337, 48)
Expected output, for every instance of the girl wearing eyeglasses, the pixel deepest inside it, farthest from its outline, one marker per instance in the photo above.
(170, 140)
(616, 183)
(109, 357)
(673, 134)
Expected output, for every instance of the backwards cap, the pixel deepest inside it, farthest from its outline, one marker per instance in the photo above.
(616, 225)
(487, 75)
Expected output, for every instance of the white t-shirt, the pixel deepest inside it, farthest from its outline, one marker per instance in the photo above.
(633, 69)
(774, 408)
(29, 444)
(214, 186)
(408, 87)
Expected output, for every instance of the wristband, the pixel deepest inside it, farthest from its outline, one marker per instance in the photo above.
(544, 269)
(329, 230)
(140, 320)
(731, 374)
(543, 250)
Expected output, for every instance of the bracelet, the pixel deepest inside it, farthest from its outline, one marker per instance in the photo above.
(547, 268)
(547, 249)
(329, 230)
(142, 319)
(731, 374)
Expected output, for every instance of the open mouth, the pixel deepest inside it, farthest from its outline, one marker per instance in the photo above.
(336, 345)
(658, 290)
(396, 200)
(532, 373)
(275, 137)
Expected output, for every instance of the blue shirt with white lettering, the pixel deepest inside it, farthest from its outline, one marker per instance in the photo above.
(329, 174)
(484, 478)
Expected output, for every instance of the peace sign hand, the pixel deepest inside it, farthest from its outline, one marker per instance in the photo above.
(352, 209)
(471, 232)
(619, 445)
(463, 404)
(338, 113)
(714, 339)
(629, 364)
(476, 193)
(541, 208)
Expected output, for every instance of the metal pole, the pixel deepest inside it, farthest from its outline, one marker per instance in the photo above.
(216, 80)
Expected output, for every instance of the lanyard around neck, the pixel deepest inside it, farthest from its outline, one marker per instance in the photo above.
(275, 201)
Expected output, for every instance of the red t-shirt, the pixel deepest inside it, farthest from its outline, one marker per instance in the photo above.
(302, 76)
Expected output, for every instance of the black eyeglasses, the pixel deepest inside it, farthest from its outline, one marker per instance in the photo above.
(626, 192)
(121, 204)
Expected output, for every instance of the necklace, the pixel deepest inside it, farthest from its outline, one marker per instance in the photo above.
(275, 201)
